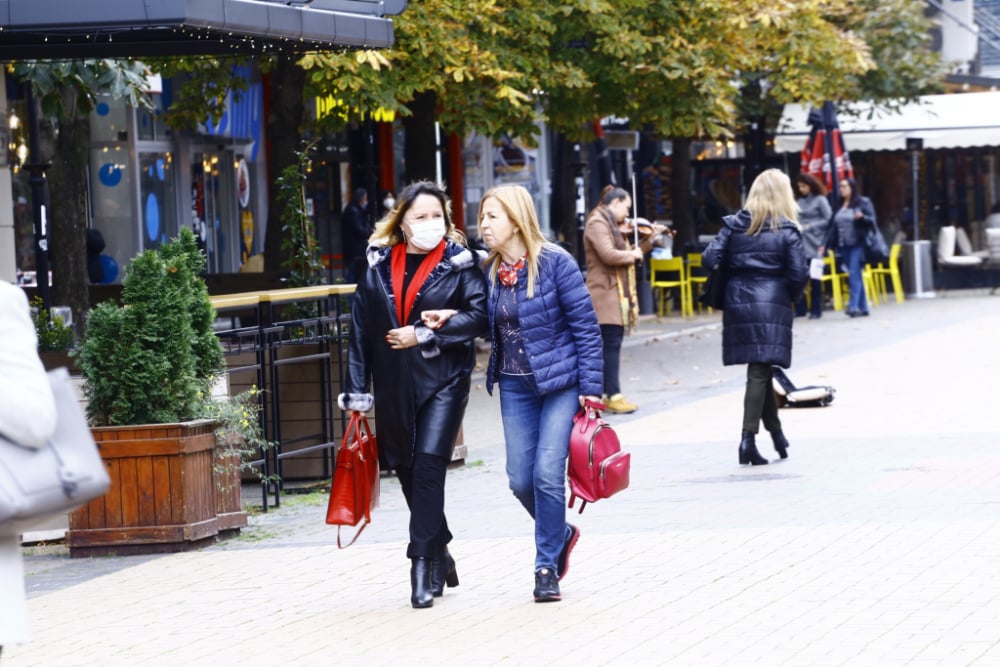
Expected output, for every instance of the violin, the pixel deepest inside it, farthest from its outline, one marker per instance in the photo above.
(646, 229)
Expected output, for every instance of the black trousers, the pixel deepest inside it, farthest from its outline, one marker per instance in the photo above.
(423, 488)
(612, 335)
(758, 400)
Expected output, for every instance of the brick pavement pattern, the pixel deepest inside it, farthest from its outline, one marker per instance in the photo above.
(874, 543)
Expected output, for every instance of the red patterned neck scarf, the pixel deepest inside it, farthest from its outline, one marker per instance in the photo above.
(398, 259)
(507, 273)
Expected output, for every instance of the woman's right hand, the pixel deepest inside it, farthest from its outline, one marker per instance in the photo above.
(434, 319)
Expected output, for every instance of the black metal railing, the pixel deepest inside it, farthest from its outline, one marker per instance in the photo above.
(292, 327)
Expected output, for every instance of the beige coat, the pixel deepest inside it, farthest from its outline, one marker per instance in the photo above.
(609, 256)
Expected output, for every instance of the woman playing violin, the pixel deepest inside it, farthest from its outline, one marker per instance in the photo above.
(611, 280)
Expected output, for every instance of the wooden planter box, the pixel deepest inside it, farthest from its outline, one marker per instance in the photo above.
(163, 496)
(228, 484)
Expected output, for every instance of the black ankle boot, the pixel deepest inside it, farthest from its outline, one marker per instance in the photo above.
(420, 583)
(443, 573)
(780, 443)
(748, 451)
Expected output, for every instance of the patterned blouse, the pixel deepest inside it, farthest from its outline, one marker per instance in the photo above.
(513, 360)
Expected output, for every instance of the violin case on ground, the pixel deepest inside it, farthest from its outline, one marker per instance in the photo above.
(788, 395)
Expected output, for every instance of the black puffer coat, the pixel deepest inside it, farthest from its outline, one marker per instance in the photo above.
(767, 273)
(431, 380)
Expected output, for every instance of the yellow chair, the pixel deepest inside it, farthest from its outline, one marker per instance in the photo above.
(667, 274)
(694, 276)
(880, 272)
(868, 282)
(830, 275)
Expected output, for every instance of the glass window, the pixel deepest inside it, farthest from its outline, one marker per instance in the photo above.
(157, 198)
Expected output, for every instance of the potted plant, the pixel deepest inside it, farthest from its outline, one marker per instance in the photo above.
(148, 365)
(56, 339)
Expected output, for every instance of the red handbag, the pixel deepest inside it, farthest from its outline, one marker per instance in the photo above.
(598, 468)
(355, 487)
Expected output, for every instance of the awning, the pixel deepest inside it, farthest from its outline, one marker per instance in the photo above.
(53, 29)
(942, 121)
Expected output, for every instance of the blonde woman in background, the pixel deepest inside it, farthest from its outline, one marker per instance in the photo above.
(761, 247)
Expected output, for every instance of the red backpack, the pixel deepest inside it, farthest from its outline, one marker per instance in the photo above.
(598, 468)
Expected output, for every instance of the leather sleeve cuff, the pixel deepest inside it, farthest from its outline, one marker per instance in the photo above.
(427, 341)
(359, 402)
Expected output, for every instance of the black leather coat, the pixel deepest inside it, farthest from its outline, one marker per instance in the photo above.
(420, 393)
(767, 273)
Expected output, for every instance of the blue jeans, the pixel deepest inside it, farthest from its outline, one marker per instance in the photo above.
(858, 302)
(536, 429)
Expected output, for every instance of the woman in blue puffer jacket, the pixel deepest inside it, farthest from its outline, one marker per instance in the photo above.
(761, 247)
(546, 358)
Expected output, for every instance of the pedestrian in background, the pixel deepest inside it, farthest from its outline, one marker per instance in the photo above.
(814, 218)
(28, 418)
(546, 359)
(853, 216)
(611, 282)
(388, 201)
(761, 247)
(355, 231)
(418, 262)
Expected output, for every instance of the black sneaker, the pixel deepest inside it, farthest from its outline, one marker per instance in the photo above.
(563, 563)
(546, 586)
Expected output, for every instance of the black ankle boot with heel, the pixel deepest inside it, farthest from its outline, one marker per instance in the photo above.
(780, 443)
(443, 572)
(421, 570)
(748, 451)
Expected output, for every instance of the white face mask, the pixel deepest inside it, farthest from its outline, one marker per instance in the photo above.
(388, 203)
(427, 235)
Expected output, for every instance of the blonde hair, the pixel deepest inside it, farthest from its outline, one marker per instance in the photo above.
(388, 231)
(771, 199)
(517, 203)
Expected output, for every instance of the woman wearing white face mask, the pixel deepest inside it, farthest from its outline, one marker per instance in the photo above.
(388, 202)
(419, 266)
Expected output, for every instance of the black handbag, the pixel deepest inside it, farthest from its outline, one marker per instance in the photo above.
(713, 294)
(876, 249)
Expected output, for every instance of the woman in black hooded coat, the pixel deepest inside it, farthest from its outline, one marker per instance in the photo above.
(761, 247)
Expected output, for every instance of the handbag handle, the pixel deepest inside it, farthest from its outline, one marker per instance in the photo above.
(357, 423)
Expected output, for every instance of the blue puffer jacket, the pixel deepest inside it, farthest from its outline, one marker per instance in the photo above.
(558, 327)
(767, 273)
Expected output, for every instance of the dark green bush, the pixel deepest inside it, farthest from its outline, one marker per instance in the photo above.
(151, 360)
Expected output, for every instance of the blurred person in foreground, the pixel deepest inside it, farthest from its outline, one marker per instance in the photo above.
(419, 271)
(761, 247)
(27, 418)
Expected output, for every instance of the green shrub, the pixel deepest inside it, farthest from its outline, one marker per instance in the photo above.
(152, 359)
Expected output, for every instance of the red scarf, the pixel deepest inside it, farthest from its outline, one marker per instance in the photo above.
(507, 273)
(398, 266)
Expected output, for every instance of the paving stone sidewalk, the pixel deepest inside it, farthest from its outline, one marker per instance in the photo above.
(874, 543)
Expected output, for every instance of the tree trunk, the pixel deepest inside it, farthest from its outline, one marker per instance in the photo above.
(680, 191)
(420, 147)
(68, 210)
(570, 165)
(286, 108)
